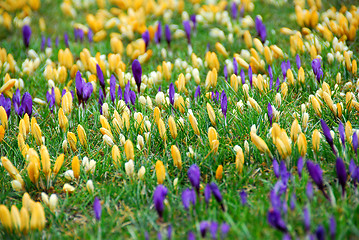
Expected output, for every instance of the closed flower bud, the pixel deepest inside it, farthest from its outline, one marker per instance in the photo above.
(116, 156)
(9, 167)
(15, 218)
(160, 172)
(82, 136)
(295, 130)
(130, 168)
(33, 172)
(239, 160)
(3, 117)
(160, 99)
(45, 160)
(16, 185)
(194, 124)
(36, 132)
(141, 173)
(68, 188)
(53, 201)
(89, 186)
(211, 114)
(140, 142)
(105, 110)
(315, 140)
(64, 146)
(45, 198)
(38, 219)
(66, 103)
(75, 164)
(63, 121)
(25, 219)
(129, 151)
(58, 163)
(219, 172)
(108, 140)
(5, 218)
(302, 144)
(305, 119)
(162, 130)
(71, 138)
(260, 144)
(176, 155)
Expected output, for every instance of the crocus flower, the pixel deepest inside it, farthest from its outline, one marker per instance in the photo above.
(217, 194)
(225, 72)
(15, 100)
(90, 35)
(284, 68)
(320, 232)
(341, 173)
(26, 35)
(193, 18)
(297, 61)
(306, 218)
(243, 196)
(250, 75)
(275, 200)
(224, 103)
(158, 198)
(26, 104)
(198, 92)
(213, 229)
(276, 168)
(97, 208)
(355, 142)
(235, 66)
(113, 88)
(49, 42)
(284, 174)
(101, 78)
(276, 221)
(57, 42)
(146, 37)
(159, 31)
(187, 29)
(132, 97)
(6, 103)
(87, 91)
(194, 176)
(137, 73)
(316, 174)
(191, 236)
(261, 29)
(168, 35)
(207, 194)
(119, 92)
(188, 197)
(342, 133)
(126, 94)
(100, 99)
(43, 42)
(171, 93)
(80, 34)
(327, 135)
(225, 227)
(203, 227)
(169, 232)
(270, 113)
(300, 165)
(66, 39)
(79, 86)
(270, 73)
(50, 97)
(243, 76)
(234, 10)
(277, 84)
(317, 69)
(332, 227)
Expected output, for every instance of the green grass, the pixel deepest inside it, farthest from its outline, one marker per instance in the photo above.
(127, 204)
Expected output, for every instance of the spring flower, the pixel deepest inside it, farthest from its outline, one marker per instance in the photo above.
(341, 173)
(276, 221)
(101, 78)
(327, 135)
(168, 35)
(160, 172)
(261, 29)
(320, 233)
(217, 194)
(197, 92)
(309, 190)
(224, 103)
(188, 197)
(172, 126)
(38, 219)
(137, 73)
(317, 68)
(300, 165)
(270, 113)
(316, 174)
(75, 164)
(5, 218)
(213, 229)
(332, 227)
(171, 93)
(187, 28)
(194, 176)
(97, 208)
(146, 37)
(26, 35)
(6, 103)
(159, 196)
(113, 88)
(203, 227)
(355, 142)
(176, 155)
(130, 168)
(306, 217)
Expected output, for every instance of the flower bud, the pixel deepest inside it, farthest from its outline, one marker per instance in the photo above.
(176, 155)
(141, 173)
(89, 186)
(130, 168)
(75, 164)
(160, 172)
(129, 151)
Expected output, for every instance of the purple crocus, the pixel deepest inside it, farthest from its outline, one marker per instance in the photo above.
(191, 236)
(224, 103)
(16, 98)
(320, 232)
(100, 99)
(276, 221)
(87, 91)
(277, 84)
(235, 66)
(137, 73)
(225, 227)
(213, 228)
(90, 35)
(225, 72)
(309, 190)
(132, 97)
(79, 86)
(97, 208)
(342, 133)
(217, 194)
(317, 68)
(261, 29)
(101, 78)
(168, 34)
(341, 173)
(126, 94)
(187, 29)
(158, 198)
(203, 227)
(194, 176)
(50, 97)
(355, 143)
(113, 88)
(234, 10)
(159, 31)
(146, 37)
(169, 232)
(243, 76)
(6, 103)
(26, 35)
(270, 113)
(43, 42)
(270, 73)
(49, 42)
(276, 168)
(243, 196)
(207, 194)
(250, 75)
(193, 18)
(80, 34)
(26, 104)
(300, 165)
(306, 219)
(327, 135)
(197, 92)
(284, 68)
(297, 61)
(171, 93)
(119, 92)
(332, 227)
(66, 39)
(316, 174)
(57, 40)
(188, 197)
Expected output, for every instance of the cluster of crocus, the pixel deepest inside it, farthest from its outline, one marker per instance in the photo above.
(83, 89)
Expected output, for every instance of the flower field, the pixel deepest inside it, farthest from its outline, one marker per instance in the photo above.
(179, 119)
